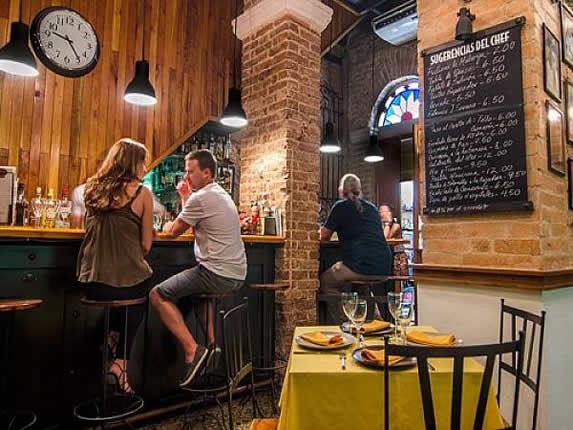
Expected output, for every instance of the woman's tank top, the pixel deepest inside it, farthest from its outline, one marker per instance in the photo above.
(111, 252)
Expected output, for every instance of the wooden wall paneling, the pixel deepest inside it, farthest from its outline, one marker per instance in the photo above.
(343, 20)
(56, 130)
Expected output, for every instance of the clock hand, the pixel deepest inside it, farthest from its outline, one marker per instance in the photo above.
(74, 49)
(60, 36)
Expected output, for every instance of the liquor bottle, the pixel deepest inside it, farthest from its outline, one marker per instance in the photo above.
(227, 148)
(51, 210)
(64, 210)
(21, 206)
(37, 209)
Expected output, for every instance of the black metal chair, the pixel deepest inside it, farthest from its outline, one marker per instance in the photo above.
(528, 323)
(458, 353)
(238, 362)
(11, 419)
(266, 364)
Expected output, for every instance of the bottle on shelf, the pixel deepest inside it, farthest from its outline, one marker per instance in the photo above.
(51, 210)
(64, 210)
(37, 209)
(21, 207)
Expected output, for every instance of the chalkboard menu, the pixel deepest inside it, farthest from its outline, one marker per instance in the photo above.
(473, 124)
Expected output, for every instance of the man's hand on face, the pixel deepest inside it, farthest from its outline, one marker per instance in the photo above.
(184, 189)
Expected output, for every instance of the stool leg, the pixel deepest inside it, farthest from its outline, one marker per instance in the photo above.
(105, 357)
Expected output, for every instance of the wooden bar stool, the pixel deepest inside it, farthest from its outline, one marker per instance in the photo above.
(265, 361)
(13, 420)
(114, 406)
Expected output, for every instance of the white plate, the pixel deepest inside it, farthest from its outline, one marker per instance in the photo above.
(347, 340)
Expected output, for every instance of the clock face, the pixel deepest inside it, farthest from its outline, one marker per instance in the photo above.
(64, 41)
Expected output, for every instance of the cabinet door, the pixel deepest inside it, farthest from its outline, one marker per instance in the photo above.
(37, 337)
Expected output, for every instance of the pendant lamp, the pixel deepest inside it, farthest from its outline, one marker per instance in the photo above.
(234, 115)
(329, 143)
(374, 152)
(16, 58)
(140, 91)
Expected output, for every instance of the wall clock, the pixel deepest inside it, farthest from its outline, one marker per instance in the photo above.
(64, 41)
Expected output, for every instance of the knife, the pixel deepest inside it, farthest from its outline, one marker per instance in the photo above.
(343, 361)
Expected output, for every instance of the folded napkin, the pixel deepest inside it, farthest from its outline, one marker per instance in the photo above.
(424, 338)
(377, 356)
(374, 325)
(319, 338)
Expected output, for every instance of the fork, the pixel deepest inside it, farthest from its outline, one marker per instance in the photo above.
(342, 357)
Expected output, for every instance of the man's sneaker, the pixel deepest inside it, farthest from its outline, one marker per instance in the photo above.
(214, 357)
(194, 367)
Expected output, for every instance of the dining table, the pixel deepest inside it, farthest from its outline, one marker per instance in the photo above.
(319, 392)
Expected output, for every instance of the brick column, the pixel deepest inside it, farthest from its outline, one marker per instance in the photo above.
(280, 147)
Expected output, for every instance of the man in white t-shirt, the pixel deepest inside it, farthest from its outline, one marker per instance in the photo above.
(219, 251)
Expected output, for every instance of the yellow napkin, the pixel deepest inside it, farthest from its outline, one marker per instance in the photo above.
(377, 356)
(423, 338)
(320, 338)
(375, 325)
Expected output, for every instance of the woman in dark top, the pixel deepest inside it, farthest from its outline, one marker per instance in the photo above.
(365, 253)
(118, 235)
(392, 230)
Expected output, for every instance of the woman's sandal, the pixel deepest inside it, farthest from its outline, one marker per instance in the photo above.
(120, 379)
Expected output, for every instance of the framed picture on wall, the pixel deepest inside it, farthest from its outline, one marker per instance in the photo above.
(551, 64)
(555, 138)
(569, 110)
(570, 181)
(567, 33)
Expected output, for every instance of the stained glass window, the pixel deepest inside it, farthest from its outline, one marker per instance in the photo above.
(402, 105)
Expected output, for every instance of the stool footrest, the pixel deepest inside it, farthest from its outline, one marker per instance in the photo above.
(117, 407)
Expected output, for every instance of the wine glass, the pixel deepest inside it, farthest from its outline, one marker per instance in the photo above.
(348, 305)
(394, 305)
(359, 316)
(405, 316)
(157, 222)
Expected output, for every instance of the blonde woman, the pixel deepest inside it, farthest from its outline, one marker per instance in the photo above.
(118, 235)
(365, 253)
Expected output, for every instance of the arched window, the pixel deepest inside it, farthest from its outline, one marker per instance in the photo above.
(402, 104)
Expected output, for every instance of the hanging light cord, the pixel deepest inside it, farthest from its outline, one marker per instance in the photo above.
(235, 47)
(143, 34)
(20, 11)
(372, 71)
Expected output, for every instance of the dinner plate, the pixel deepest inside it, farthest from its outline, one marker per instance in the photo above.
(347, 340)
(345, 328)
(357, 355)
(456, 341)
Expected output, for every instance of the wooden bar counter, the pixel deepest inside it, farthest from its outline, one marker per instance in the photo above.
(58, 346)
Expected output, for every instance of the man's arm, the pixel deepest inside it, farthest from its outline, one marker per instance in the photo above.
(175, 228)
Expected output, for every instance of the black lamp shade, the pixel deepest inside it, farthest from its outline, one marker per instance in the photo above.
(464, 28)
(16, 57)
(234, 115)
(140, 91)
(374, 153)
(329, 143)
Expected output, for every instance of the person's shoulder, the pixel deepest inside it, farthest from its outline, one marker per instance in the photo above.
(369, 204)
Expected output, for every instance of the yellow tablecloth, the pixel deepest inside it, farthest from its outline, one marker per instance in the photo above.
(318, 394)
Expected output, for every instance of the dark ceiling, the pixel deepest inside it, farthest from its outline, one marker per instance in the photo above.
(374, 7)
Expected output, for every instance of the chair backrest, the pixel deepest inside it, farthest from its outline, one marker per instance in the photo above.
(533, 327)
(458, 353)
(237, 343)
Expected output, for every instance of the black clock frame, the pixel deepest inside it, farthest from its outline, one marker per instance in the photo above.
(47, 61)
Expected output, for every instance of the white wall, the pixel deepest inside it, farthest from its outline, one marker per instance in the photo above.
(558, 359)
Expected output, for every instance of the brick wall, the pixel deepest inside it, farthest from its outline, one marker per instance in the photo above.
(280, 154)
(390, 62)
(537, 240)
